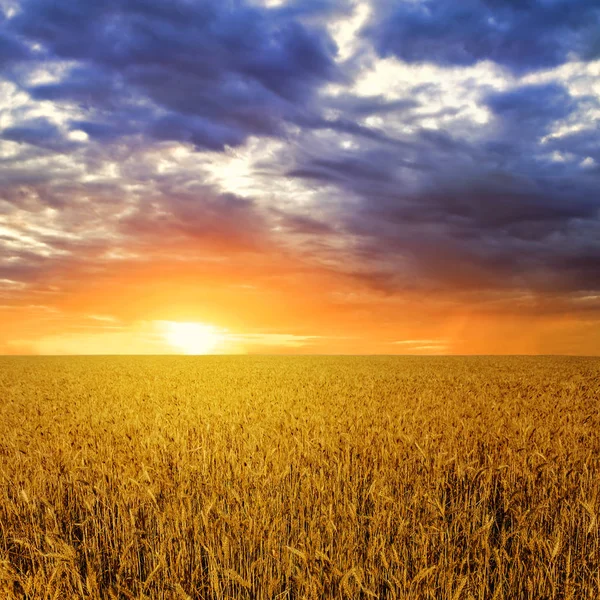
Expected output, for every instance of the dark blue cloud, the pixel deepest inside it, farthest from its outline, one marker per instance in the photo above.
(12, 50)
(492, 212)
(521, 35)
(85, 86)
(247, 70)
(582, 144)
(38, 132)
(534, 108)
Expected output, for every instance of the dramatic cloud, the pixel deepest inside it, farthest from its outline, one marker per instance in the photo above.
(209, 73)
(522, 35)
(375, 157)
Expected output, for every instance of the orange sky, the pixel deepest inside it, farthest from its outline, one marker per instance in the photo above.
(276, 305)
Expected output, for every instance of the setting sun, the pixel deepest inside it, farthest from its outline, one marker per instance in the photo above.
(193, 338)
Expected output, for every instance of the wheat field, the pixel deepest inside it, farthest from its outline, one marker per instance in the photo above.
(300, 477)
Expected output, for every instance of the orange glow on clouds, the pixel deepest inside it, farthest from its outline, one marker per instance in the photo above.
(264, 308)
(194, 297)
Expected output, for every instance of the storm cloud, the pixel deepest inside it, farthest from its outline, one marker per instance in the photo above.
(522, 35)
(211, 73)
(238, 127)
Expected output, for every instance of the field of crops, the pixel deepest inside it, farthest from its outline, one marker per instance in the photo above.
(304, 477)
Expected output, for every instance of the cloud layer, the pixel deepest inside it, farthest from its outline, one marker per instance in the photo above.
(523, 35)
(439, 150)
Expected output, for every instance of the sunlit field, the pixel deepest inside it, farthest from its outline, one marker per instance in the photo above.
(263, 477)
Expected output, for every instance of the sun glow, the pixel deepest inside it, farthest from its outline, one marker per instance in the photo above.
(193, 338)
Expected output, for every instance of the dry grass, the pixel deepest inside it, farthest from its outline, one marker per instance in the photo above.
(441, 478)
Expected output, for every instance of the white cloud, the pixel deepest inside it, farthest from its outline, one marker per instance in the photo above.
(345, 29)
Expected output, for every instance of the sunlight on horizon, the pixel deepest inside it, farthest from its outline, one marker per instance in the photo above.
(193, 338)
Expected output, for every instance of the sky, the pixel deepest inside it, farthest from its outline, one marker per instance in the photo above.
(300, 176)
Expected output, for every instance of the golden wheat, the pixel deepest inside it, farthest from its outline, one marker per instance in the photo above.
(264, 477)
